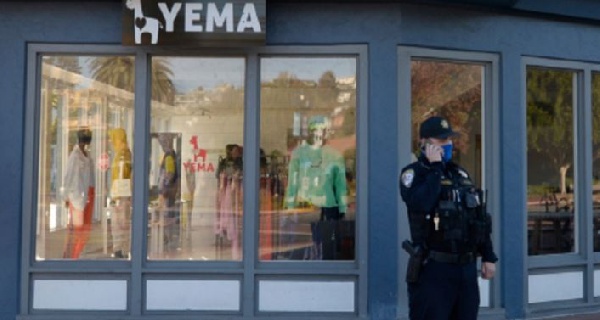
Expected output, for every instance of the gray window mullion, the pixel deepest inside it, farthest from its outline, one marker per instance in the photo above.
(29, 173)
(491, 172)
(362, 123)
(584, 155)
(140, 181)
(251, 180)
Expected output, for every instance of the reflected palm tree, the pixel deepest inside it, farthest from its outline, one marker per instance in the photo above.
(54, 86)
(120, 72)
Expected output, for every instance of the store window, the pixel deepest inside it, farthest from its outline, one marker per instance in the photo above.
(195, 204)
(458, 86)
(85, 138)
(169, 210)
(452, 90)
(307, 158)
(550, 157)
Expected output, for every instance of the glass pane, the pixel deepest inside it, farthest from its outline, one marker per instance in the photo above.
(451, 90)
(308, 159)
(197, 130)
(596, 157)
(86, 131)
(550, 193)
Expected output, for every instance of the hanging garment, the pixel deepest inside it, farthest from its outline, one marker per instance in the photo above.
(79, 193)
(266, 218)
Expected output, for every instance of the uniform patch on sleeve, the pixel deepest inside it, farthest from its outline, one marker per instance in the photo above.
(465, 178)
(407, 177)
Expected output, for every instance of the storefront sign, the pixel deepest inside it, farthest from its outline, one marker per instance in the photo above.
(193, 22)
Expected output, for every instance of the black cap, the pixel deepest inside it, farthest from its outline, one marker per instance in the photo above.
(436, 127)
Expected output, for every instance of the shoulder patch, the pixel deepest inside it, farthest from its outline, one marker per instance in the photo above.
(446, 182)
(408, 177)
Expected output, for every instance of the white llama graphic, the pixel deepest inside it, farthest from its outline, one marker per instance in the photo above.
(143, 24)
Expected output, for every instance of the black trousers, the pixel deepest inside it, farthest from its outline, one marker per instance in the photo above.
(445, 291)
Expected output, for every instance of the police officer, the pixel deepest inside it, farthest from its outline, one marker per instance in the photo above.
(449, 229)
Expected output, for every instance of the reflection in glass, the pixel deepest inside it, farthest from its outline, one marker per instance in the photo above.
(195, 183)
(308, 159)
(451, 90)
(550, 194)
(84, 186)
(596, 157)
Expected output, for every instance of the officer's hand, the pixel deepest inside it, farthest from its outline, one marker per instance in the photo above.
(433, 153)
(488, 270)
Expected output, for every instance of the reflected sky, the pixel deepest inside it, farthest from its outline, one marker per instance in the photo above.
(308, 68)
(213, 71)
(189, 71)
(210, 72)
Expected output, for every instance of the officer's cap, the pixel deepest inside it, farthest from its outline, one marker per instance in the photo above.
(436, 127)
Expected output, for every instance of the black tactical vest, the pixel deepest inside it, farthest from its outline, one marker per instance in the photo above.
(459, 223)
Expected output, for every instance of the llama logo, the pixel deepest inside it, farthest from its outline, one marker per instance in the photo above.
(143, 24)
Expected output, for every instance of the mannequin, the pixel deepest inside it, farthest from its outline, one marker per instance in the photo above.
(79, 192)
(121, 172)
(317, 177)
(168, 190)
(317, 174)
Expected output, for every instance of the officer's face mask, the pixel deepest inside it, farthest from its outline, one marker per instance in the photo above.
(447, 155)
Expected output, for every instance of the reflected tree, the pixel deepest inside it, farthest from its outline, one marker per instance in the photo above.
(550, 118)
(55, 88)
(451, 90)
(327, 89)
(120, 73)
(287, 91)
(287, 95)
(596, 124)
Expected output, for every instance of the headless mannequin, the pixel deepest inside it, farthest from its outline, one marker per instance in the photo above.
(317, 177)
(121, 169)
(168, 189)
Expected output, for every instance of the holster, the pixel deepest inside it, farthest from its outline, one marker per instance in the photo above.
(414, 268)
(415, 261)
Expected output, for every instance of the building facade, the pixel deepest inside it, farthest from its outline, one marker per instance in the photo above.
(240, 159)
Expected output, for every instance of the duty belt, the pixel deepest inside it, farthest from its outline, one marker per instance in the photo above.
(457, 258)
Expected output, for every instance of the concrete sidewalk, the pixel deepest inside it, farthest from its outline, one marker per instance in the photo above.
(586, 316)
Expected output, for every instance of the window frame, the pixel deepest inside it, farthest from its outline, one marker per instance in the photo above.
(249, 270)
(490, 126)
(585, 260)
